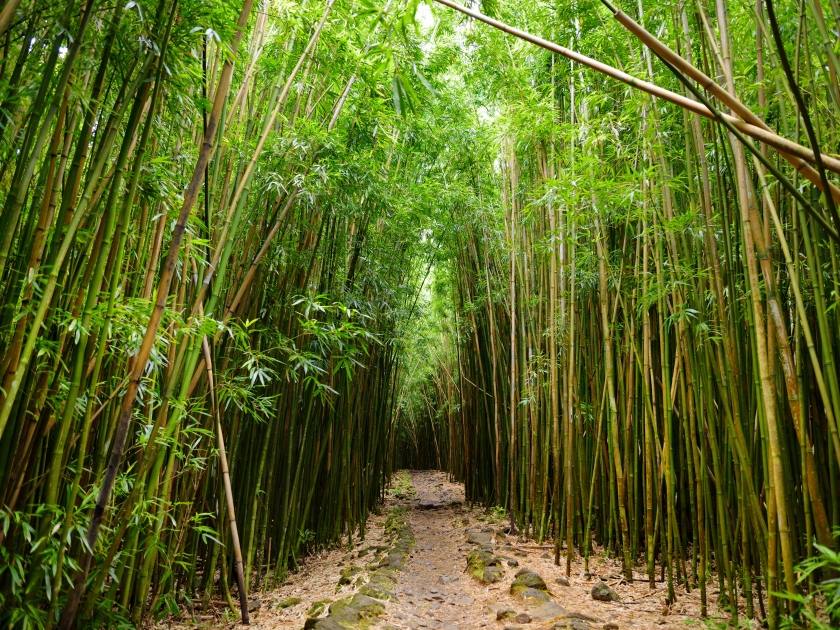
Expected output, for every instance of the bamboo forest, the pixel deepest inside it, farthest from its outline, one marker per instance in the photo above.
(419, 314)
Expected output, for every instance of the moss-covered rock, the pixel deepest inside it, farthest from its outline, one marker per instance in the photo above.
(377, 591)
(394, 560)
(478, 538)
(289, 602)
(366, 606)
(484, 566)
(347, 574)
(603, 593)
(527, 579)
(534, 594)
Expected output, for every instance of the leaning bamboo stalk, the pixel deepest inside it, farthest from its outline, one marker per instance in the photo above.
(785, 146)
(730, 100)
(223, 463)
(7, 14)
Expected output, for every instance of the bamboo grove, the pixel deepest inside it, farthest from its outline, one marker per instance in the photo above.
(210, 248)
(640, 334)
(256, 255)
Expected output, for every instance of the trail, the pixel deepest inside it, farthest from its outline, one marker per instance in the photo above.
(435, 591)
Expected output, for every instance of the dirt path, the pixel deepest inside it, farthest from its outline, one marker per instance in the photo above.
(435, 591)
(432, 588)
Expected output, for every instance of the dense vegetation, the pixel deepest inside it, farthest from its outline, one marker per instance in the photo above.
(257, 255)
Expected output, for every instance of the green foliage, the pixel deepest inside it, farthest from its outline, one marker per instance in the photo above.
(818, 577)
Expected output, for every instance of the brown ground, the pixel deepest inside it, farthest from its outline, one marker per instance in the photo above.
(436, 592)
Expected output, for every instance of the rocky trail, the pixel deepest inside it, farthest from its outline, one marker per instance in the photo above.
(429, 561)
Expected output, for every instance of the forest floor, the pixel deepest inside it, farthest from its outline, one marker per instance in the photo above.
(435, 591)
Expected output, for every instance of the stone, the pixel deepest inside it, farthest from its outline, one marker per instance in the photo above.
(394, 560)
(610, 625)
(447, 579)
(487, 529)
(527, 580)
(521, 554)
(571, 624)
(429, 505)
(562, 581)
(505, 614)
(523, 618)
(484, 566)
(545, 556)
(478, 538)
(492, 574)
(603, 593)
(384, 577)
(583, 617)
(546, 611)
(254, 605)
(289, 602)
(365, 606)
(377, 591)
(347, 574)
(512, 562)
(466, 600)
(532, 593)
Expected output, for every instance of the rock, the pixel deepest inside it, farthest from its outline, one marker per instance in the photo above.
(289, 602)
(395, 560)
(447, 579)
(523, 618)
(385, 577)
(545, 556)
(487, 529)
(429, 505)
(583, 617)
(546, 611)
(522, 571)
(347, 574)
(377, 591)
(254, 605)
(505, 614)
(512, 562)
(478, 538)
(562, 581)
(466, 600)
(521, 554)
(484, 566)
(500, 533)
(571, 624)
(352, 609)
(603, 593)
(527, 580)
(533, 593)
(610, 625)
